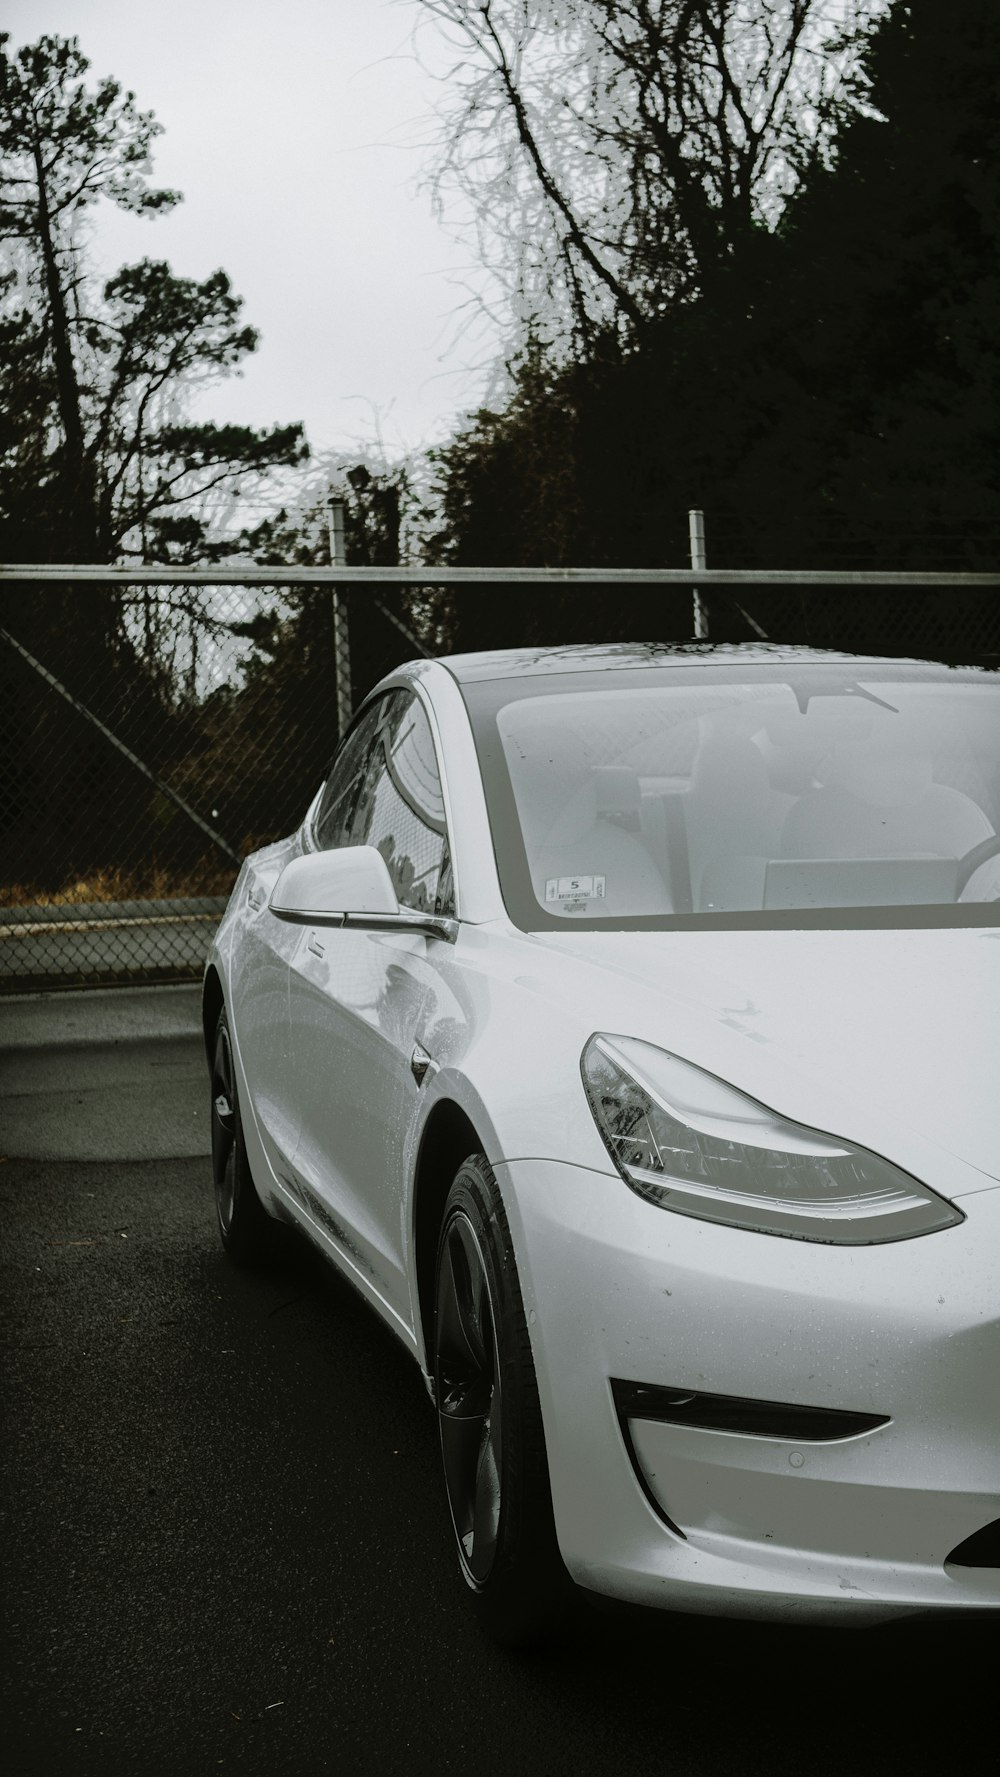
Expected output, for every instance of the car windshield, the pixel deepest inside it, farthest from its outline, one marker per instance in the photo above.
(704, 795)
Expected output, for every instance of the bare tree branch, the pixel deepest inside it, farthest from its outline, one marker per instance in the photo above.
(615, 152)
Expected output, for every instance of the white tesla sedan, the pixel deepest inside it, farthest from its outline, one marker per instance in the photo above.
(623, 1022)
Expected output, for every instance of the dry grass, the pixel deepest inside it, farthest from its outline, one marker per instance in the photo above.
(152, 882)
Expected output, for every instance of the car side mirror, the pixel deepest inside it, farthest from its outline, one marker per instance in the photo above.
(349, 887)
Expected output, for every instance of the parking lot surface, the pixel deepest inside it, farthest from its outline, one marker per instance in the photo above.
(224, 1535)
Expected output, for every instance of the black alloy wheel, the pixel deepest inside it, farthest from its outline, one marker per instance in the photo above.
(489, 1419)
(246, 1230)
(470, 1398)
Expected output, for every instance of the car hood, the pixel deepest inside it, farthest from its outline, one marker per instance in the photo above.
(865, 1033)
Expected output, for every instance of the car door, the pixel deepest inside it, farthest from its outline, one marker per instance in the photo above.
(263, 954)
(262, 950)
(355, 1002)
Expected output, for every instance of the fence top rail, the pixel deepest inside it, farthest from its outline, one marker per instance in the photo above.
(406, 575)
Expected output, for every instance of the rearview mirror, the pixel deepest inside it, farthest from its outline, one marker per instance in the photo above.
(350, 887)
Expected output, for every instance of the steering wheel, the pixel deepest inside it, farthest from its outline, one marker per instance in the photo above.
(969, 864)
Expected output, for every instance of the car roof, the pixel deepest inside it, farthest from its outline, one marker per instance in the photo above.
(522, 663)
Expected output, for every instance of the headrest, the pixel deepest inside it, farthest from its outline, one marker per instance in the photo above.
(611, 793)
(730, 771)
(887, 776)
(618, 797)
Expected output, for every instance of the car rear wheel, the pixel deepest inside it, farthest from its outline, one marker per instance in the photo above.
(490, 1423)
(246, 1229)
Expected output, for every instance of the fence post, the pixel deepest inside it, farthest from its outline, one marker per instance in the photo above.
(696, 533)
(338, 603)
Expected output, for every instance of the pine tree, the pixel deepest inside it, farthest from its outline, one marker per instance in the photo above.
(98, 378)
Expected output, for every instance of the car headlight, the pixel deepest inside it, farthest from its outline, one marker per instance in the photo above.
(686, 1141)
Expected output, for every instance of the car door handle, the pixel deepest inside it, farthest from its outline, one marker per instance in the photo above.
(314, 945)
(422, 1064)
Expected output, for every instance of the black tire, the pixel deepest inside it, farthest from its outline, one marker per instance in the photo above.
(490, 1423)
(245, 1228)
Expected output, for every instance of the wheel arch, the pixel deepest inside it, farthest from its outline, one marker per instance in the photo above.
(212, 1002)
(448, 1138)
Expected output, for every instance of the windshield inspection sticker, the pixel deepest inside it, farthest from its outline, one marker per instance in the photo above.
(573, 892)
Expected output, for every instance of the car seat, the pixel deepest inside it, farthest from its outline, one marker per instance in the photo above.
(881, 801)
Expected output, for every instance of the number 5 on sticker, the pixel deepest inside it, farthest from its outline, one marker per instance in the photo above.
(574, 888)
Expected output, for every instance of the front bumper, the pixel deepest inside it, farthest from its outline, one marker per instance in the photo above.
(855, 1529)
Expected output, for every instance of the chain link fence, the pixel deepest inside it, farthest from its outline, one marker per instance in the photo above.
(155, 734)
(151, 738)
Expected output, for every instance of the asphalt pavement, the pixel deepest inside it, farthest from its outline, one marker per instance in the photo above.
(223, 1530)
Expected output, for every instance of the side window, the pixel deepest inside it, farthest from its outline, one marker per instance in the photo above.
(334, 823)
(401, 808)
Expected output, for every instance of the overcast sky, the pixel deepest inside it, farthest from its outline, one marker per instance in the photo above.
(297, 131)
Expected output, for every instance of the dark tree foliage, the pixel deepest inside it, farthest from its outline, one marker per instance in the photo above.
(27, 394)
(61, 149)
(832, 401)
(893, 268)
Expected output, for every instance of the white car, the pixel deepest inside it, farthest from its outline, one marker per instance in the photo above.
(623, 1023)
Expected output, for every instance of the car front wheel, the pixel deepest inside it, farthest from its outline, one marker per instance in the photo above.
(246, 1230)
(492, 1443)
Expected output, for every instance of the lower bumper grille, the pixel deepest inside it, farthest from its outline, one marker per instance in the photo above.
(730, 1412)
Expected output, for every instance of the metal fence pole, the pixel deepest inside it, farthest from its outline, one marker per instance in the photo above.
(696, 533)
(338, 603)
(410, 574)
